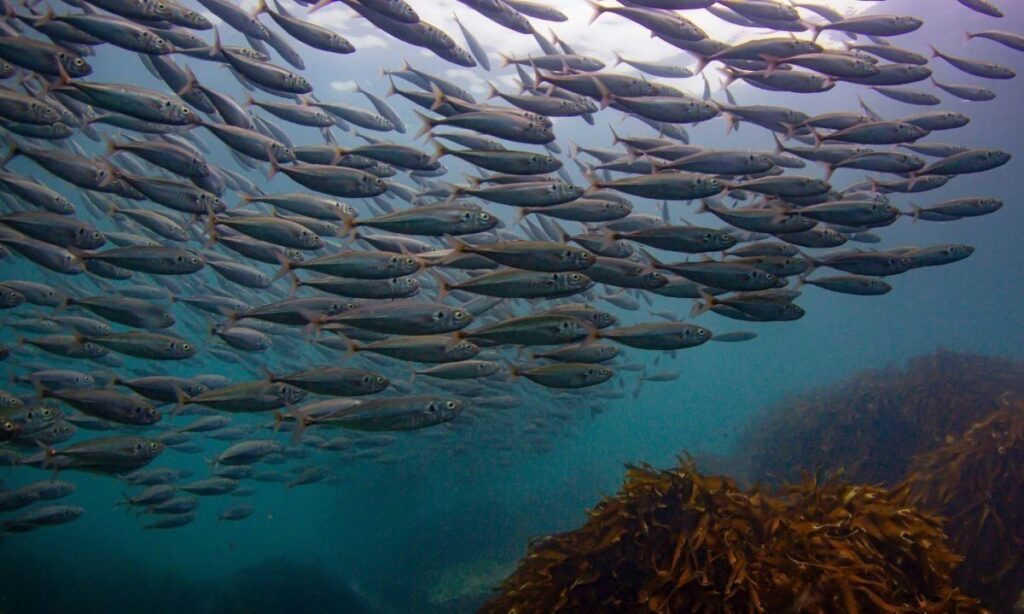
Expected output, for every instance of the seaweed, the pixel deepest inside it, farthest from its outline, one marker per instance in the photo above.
(679, 541)
(871, 425)
(975, 482)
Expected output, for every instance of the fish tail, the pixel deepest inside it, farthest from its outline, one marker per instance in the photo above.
(609, 237)
(505, 60)
(12, 152)
(440, 98)
(607, 97)
(261, 7)
(440, 151)
(814, 28)
(915, 210)
(730, 74)
(779, 147)
(348, 228)
(110, 147)
(351, 347)
(772, 62)
(598, 10)
(703, 305)
(181, 400)
(935, 52)
(428, 125)
(592, 179)
(274, 166)
(190, 85)
(492, 92)
(444, 286)
(618, 58)
(287, 266)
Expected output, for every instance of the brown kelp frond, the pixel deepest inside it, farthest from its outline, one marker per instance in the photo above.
(872, 424)
(976, 482)
(680, 541)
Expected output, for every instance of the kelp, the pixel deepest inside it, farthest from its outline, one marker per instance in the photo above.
(976, 483)
(871, 425)
(678, 541)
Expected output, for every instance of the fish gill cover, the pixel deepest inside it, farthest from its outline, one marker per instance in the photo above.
(225, 238)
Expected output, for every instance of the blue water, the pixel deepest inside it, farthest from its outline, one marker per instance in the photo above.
(431, 530)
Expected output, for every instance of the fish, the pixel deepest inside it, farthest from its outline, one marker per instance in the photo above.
(233, 254)
(394, 414)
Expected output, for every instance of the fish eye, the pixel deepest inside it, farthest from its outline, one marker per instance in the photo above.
(186, 347)
(380, 379)
(8, 426)
(576, 277)
(485, 217)
(153, 445)
(450, 404)
(458, 315)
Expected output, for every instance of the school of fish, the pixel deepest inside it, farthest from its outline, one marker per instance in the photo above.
(363, 287)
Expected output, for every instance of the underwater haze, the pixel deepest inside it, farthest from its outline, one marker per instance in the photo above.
(211, 319)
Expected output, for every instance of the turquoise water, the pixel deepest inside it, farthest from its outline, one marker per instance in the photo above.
(453, 507)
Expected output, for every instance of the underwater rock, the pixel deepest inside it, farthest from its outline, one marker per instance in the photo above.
(974, 483)
(678, 541)
(871, 425)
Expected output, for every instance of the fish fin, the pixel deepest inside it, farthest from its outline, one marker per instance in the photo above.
(286, 266)
(521, 213)
(181, 400)
(492, 91)
(607, 97)
(444, 286)
(703, 305)
(440, 98)
(815, 29)
(609, 237)
(428, 125)
(730, 74)
(440, 151)
(915, 210)
(319, 5)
